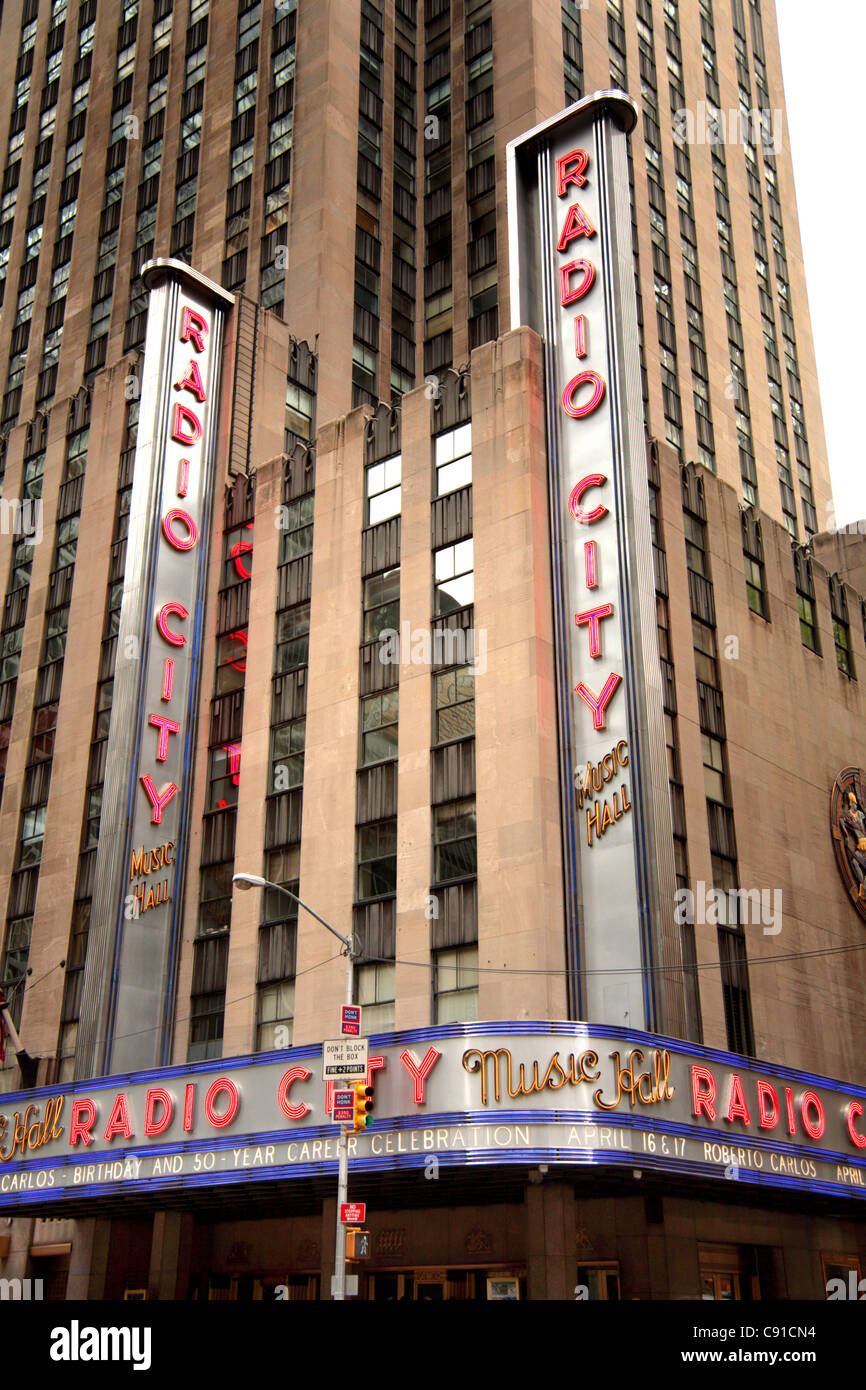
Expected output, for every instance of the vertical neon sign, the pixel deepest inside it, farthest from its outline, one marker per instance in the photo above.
(572, 279)
(127, 1006)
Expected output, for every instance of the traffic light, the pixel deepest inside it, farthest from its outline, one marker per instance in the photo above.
(357, 1244)
(363, 1106)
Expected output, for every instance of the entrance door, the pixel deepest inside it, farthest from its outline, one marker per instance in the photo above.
(724, 1287)
(725, 1273)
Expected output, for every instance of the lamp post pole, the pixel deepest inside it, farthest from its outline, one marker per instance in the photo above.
(350, 951)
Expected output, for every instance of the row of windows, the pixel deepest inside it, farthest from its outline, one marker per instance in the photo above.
(31, 828)
(732, 950)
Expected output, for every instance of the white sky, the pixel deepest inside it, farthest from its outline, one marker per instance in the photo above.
(822, 47)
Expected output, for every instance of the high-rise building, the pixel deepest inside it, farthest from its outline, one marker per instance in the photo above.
(374, 638)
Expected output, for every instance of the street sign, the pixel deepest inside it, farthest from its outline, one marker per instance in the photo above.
(353, 1212)
(347, 1285)
(344, 1105)
(350, 1020)
(344, 1058)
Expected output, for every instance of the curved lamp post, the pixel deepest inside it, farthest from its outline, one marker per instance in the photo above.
(351, 952)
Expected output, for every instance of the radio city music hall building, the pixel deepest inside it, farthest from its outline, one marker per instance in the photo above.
(415, 496)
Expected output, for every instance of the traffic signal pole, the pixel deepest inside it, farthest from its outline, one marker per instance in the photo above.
(343, 1171)
(245, 882)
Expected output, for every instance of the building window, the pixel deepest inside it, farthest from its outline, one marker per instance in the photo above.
(297, 529)
(224, 776)
(808, 622)
(275, 1008)
(735, 992)
(238, 552)
(454, 705)
(215, 901)
(231, 661)
(455, 848)
(454, 580)
(379, 714)
(207, 1015)
(845, 1269)
(696, 545)
(32, 834)
(704, 639)
(756, 591)
(455, 988)
(714, 769)
(383, 491)
(453, 459)
(293, 638)
(381, 604)
(377, 860)
(299, 411)
(374, 991)
(287, 755)
(600, 1281)
(841, 627)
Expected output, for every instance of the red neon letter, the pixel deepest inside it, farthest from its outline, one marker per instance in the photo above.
(193, 328)
(192, 382)
(598, 703)
(815, 1127)
(565, 176)
(577, 412)
(703, 1099)
(580, 336)
(189, 1098)
(419, 1071)
(184, 478)
(222, 1083)
(158, 800)
(854, 1109)
(184, 416)
(168, 523)
(162, 617)
(767, 1094)
(118, 1120)
(789, 1106)
(586, 518)
(374, 1064)
(154, 1098)
(593, 617)
(294, 1112)
(589, 564)
(576, 224)
(737, 1107)
(81, 1122)
(166, 727)
(568, 295)
(167, 679)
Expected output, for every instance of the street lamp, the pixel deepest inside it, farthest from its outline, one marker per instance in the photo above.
(351, 952)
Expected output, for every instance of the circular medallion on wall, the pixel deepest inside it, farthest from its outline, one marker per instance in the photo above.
(848, 828)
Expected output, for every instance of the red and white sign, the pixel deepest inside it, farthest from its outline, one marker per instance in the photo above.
(344, 1105)
(350, 1020)
(352, 1212)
